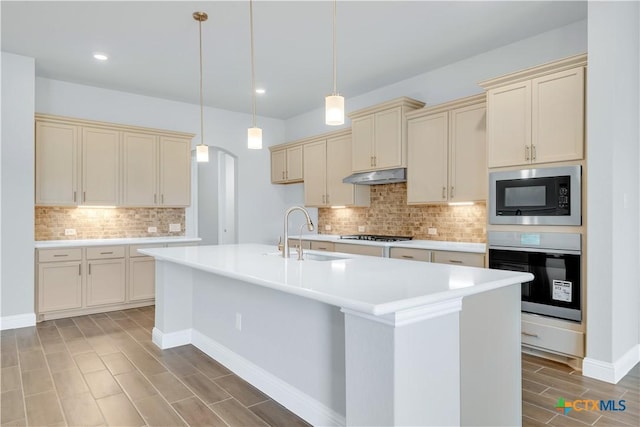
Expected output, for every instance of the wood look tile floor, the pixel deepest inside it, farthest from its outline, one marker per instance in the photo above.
(103, 369)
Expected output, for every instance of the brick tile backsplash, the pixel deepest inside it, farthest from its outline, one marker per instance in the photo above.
(101, 223)
(389, 214)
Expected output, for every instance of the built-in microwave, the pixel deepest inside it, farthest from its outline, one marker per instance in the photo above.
(545, 196)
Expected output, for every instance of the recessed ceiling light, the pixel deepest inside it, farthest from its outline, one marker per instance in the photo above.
(260, 91)
(100, 56)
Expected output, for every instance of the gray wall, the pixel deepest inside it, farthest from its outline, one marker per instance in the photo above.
(17, 226)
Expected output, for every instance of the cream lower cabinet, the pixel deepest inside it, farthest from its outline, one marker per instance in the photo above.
(537, 115)
(468, 259)
(423, 255)
(106, 275)
(142, 274)
(368, 250)
(446, 149)
(59, 280)
(326, 163)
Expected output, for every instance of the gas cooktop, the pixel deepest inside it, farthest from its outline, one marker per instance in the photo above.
(375, 237)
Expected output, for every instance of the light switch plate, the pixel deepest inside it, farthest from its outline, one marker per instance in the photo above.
(152, 229)
(432, 231)
(327, 227)
(361, 228)
(69, 231)
(174, 227)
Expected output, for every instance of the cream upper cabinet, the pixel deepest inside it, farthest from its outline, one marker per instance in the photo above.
(326, 163)
(140, 169)
(82, 162)
(57, 176)
(100, 167)
(175, 171)
(287, 165)
(537, 115)
(380, 136)
(446, 146)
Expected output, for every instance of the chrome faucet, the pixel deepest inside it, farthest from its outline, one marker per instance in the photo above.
(285, 248)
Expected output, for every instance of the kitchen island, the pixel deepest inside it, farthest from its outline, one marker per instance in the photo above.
(344, 339)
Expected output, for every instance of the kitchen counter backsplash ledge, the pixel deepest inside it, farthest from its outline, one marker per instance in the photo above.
(50, 244)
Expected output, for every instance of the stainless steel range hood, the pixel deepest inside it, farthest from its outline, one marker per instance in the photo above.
(388, 176)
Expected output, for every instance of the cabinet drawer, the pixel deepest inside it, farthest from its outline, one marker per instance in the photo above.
(323, 246)
(133, 249)
(359, 249)
(66, 254)
(105, 252)
(458, 258)
(551, 338)
(411, 254)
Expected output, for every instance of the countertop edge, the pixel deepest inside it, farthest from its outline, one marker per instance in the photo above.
(434, 245)
(50, 244)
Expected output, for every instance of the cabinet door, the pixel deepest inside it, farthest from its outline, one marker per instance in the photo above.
(339, 167)
(175, 171)
(388, 139)
(427, 153)
(100, 167)
(509, 125)
(315, 174)
(56, 164)
(468, 179)
(59, 286)
(142, 278)
(458, 258)
(106, 282)
(558, 116)
(278, 165)
(140, 169)
(294, 171)
(362, 144)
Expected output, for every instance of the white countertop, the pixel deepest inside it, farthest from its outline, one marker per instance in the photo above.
(437, 245)
(46, 244)
(370, 285)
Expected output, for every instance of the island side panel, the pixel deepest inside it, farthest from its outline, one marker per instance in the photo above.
(174, 302)
(490, 366)
(297, 340)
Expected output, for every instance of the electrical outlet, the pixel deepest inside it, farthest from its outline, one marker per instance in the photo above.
(174, 227)
(432, 231)
(152, 230)
(361, 228)
(327, 227)
(69, 231)
(239, 321)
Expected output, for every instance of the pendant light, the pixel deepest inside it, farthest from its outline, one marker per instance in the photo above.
(334, 103)
(202, 149)
(254, 133)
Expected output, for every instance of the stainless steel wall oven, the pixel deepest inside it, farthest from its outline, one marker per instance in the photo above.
(554, 260)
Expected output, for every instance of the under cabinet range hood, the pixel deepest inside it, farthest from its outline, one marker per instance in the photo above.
(388, 176)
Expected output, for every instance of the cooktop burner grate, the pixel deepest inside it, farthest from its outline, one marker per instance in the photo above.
(375, 237)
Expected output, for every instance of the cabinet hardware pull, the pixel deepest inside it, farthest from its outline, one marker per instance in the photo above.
(444, 192)
(375, 160)
(106, 253)
(57, 255)
(74, 196)
(84, 196)
(282, 174)
(455, 261)
(451, 192)
(79, 269)
(286, 175)
(533, 152)
(322, 248)
(526, 152)
(407, 256)
(527, 334)
(89, 268)
(371, 161)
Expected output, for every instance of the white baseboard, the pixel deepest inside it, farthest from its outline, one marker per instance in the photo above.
(17, 321)
(293, 399)
(171, 339)
(611, 372)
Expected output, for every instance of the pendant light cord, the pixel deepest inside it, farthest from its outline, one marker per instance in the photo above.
(253, 71)
(335, 90)
(201, 97)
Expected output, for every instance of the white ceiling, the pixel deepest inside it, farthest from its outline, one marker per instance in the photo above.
(153, 45)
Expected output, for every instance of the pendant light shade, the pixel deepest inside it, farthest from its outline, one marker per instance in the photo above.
(254, 138)
(254, 133)
(334, 103)
(202, 149)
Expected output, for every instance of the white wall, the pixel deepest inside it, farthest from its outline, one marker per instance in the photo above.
(260, 204)
(17, 226)
(613, 95)
(455, 80)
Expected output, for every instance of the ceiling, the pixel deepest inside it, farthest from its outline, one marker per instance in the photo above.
(153, 46)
